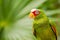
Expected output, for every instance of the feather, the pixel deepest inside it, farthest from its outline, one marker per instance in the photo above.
(53, 28)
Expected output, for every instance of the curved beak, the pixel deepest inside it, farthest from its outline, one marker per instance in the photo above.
(31, 15)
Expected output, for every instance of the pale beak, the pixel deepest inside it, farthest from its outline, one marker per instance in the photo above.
(31, 15)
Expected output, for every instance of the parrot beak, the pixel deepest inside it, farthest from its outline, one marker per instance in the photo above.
(31, 15)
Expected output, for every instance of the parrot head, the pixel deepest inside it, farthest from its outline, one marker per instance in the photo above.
(34, 13)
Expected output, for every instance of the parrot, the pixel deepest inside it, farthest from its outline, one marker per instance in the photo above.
(43, 28)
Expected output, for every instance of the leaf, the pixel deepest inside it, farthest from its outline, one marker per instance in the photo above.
(12, 13)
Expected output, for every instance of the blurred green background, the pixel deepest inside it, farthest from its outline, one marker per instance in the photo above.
(15, 23)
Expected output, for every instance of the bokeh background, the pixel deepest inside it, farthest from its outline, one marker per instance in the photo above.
(15, 23)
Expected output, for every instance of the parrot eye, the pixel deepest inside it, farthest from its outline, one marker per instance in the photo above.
(36, 12)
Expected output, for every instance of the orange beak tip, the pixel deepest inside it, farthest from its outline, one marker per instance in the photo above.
(31, 16)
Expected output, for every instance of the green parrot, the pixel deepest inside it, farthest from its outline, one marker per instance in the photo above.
(43, 28)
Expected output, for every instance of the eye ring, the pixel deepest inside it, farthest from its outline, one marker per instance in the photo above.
(37, 12)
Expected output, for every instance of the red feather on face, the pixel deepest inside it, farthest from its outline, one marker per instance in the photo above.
(36, 12)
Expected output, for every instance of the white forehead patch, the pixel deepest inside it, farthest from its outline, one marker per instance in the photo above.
(33, 10)
(37, 12)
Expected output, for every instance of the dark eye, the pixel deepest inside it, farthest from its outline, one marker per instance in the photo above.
(37, 12)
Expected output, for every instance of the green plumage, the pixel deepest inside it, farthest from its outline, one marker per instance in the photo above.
(42, 28)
